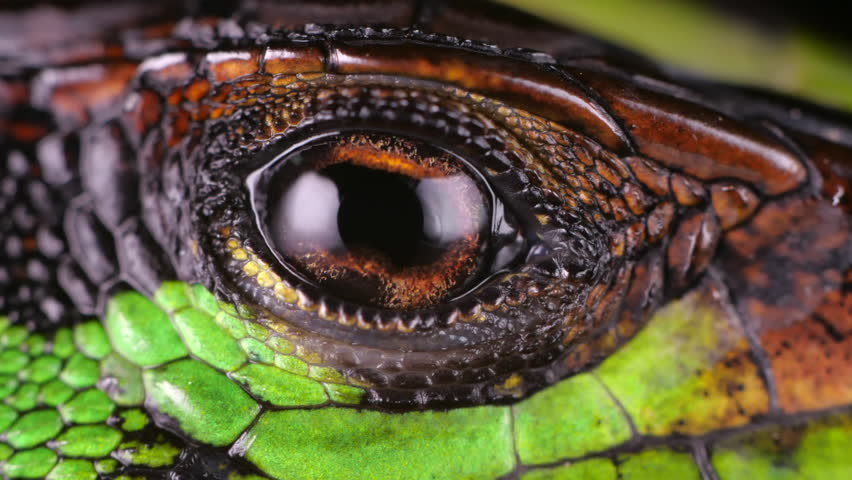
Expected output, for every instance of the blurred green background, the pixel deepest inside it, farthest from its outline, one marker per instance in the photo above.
(724, 43)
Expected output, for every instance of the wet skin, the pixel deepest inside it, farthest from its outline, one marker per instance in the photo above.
(263, 242)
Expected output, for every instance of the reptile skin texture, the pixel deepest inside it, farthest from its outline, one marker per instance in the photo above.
(374, 239)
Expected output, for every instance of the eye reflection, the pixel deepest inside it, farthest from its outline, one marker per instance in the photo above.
(380, 220)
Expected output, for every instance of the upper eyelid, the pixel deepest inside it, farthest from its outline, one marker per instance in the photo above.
(763, 162)
(565, 94)
(178, 77)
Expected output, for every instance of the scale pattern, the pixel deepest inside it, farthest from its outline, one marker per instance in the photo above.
(717, 346)
(79, 404)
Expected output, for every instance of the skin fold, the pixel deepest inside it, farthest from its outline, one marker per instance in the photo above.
(649, 275)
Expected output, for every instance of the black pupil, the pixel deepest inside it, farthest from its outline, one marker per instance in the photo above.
(380, 211)
(376, 219)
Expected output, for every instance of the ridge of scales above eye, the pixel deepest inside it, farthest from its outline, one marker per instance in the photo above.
(408, 240)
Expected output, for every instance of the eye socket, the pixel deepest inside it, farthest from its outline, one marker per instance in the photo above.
(545, 270)
(383, 220)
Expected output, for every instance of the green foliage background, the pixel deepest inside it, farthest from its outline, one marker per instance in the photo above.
(704, 39)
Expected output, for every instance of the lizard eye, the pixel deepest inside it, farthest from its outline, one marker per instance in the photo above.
(428, 240)
(381, 220)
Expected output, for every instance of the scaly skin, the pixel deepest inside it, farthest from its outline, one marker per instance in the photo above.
(686, 312)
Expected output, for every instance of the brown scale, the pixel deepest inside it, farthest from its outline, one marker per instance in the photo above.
(733, 203)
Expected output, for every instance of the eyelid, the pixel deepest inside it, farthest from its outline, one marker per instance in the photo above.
(737, 151)
(540, 90)
(479, 328)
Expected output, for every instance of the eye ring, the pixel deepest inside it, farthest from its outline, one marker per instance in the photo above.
(510, 322)
(445, 231)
